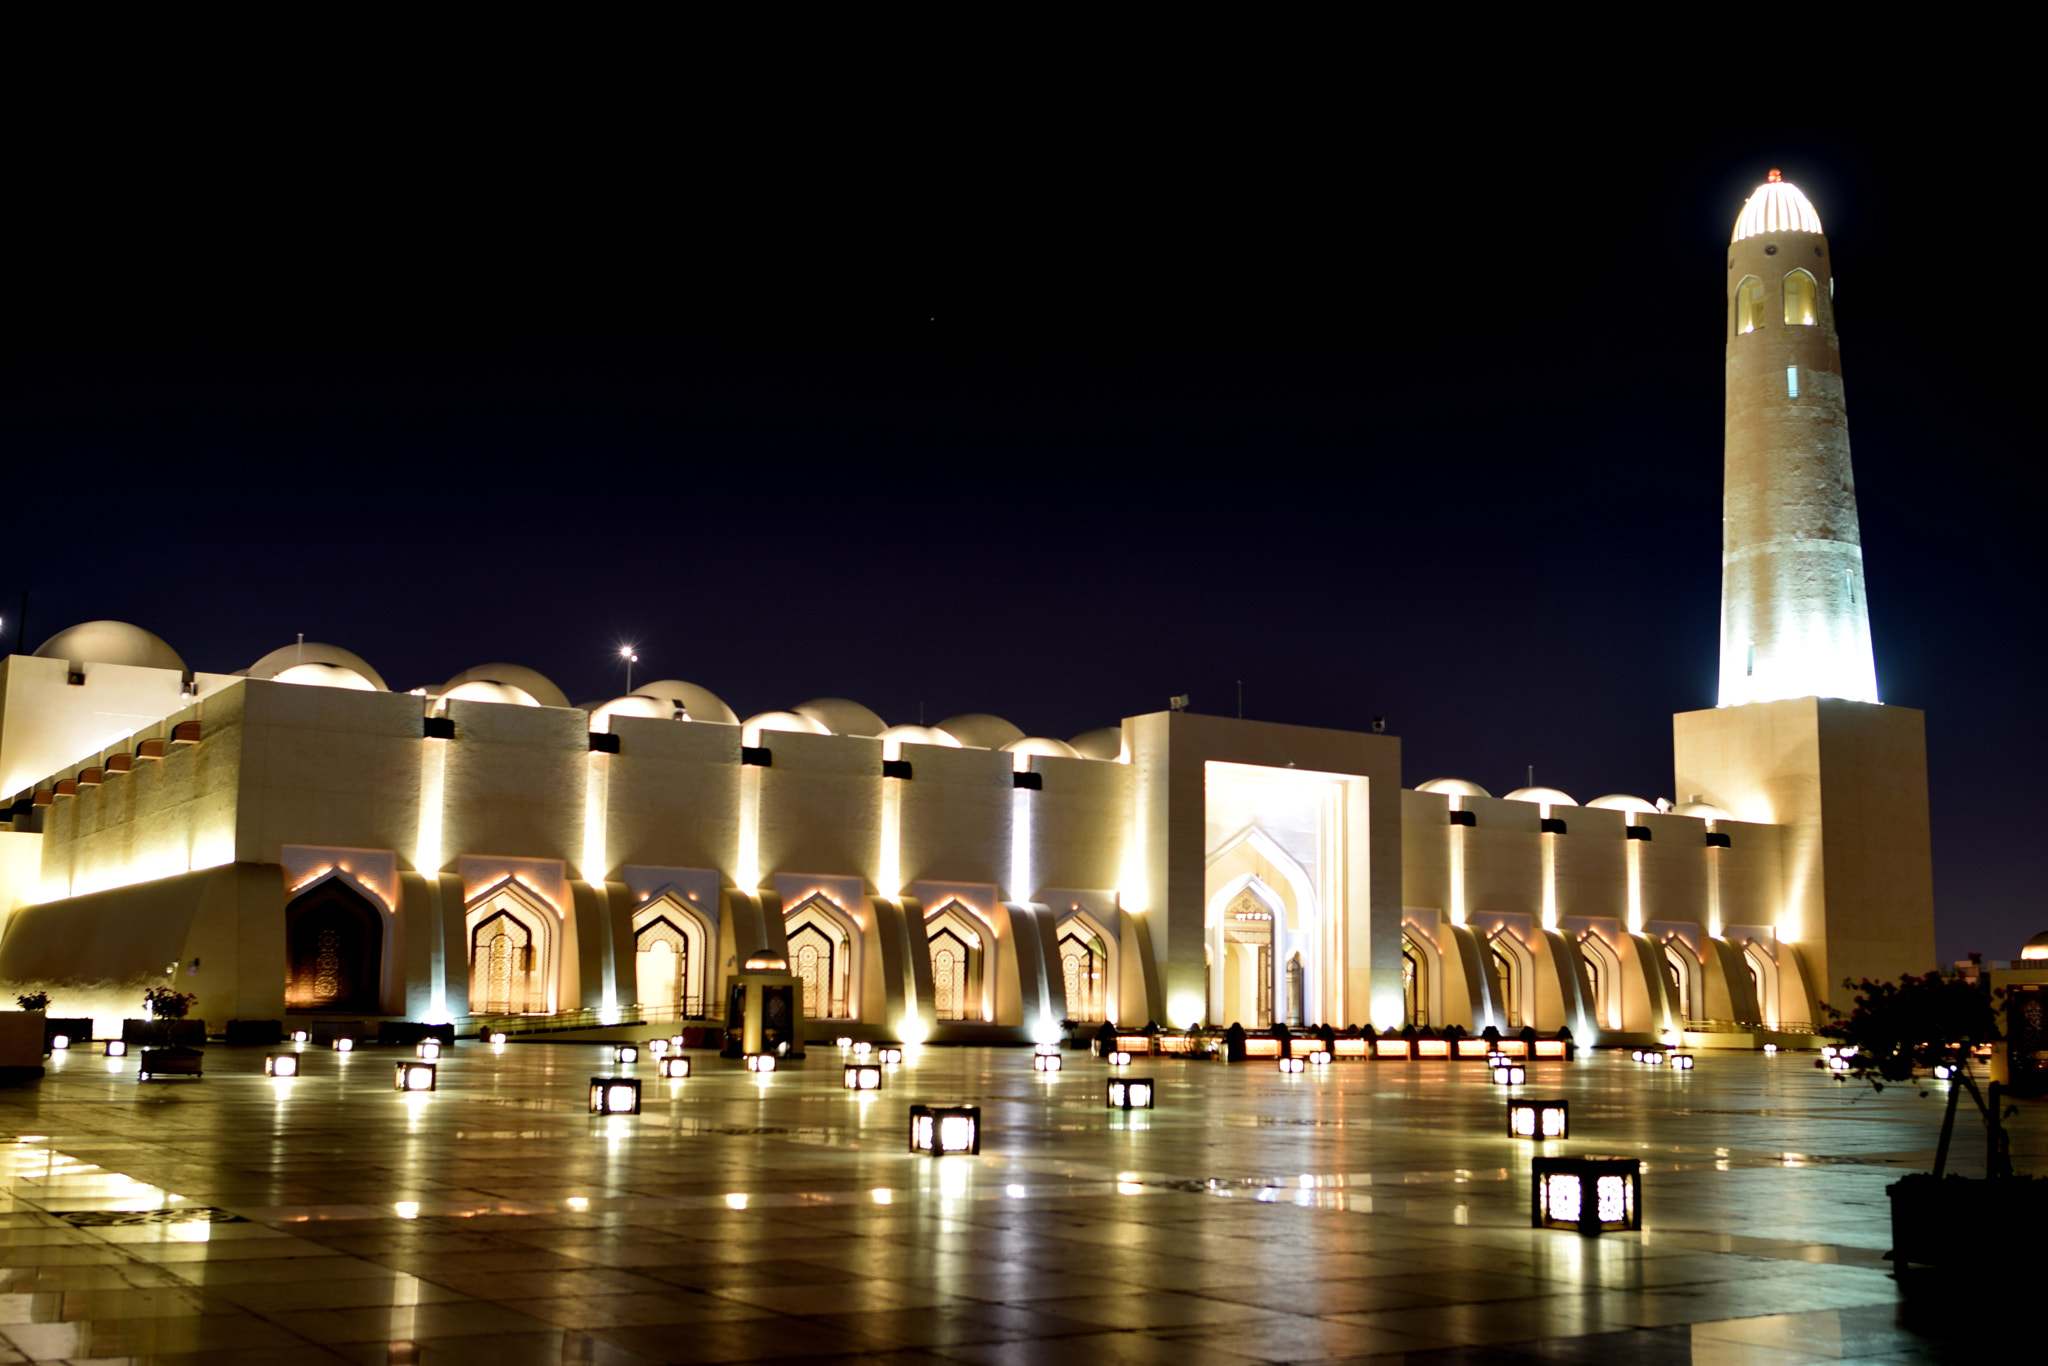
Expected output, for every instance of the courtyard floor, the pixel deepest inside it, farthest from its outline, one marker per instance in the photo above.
(1369, 1212)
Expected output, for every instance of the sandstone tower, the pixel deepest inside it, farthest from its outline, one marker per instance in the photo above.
(1793, 617)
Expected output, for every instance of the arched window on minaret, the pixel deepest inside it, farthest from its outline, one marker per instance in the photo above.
(1749, 304)
(1802, 300)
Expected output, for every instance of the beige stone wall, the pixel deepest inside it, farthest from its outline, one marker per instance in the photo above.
(47, 724)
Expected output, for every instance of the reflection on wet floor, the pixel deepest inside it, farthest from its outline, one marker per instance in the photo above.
(1367, 1210)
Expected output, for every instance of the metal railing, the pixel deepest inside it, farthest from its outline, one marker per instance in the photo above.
(690, 1011)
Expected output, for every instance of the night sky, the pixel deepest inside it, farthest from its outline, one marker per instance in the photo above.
(1049, 397)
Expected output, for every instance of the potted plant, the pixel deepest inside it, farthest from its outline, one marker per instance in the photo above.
(34, 1000)
(1893, 1033)
(168, 1006)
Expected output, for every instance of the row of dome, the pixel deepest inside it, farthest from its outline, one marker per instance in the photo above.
(670, 699)
(1550, 796)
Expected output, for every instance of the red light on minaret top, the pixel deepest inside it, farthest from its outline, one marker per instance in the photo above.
(1775, 177)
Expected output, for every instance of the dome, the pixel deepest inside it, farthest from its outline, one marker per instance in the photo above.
(1038, 744)
(1455, 787)
(535, 686)
(841, 717)
(701, 703)
(484, 690)
(920, 735)
(1775, 207)
(979, 730)
(1617, 801)
(1106, 744)
(110, 642)
(1705, 811)
(658, 708)
(327, 676)
(1548, 796)
(274, 664)
(2036, 948)
(782, 721)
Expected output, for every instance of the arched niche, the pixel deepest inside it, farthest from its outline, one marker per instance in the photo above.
(823, 948)
(1087, 955)
(1802, 299)
(1749, 305)
(1602, 967)
(334, 949)
(514, 947)
(958, 942)
(671, 955)
(1514, 968)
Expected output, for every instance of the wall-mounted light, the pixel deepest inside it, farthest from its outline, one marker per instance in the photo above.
(1130, 1093)
(1539, 1119)
(413, 1076)
(675, 1067)
(945, 1129)
(863, 1076)
(614, 1096)
(280, 1064)
(1590, 1194)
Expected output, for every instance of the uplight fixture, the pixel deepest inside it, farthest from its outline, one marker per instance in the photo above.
(941, 1130)
(413, 1076)
(280, 1064)
(614, 1096)
(863, 1076)
(1131, 1093)
(1539, 1119)
(1590, 1194)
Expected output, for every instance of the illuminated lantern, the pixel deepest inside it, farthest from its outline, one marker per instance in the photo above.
(843, 1042)
(863, 1076)
(891, 1052)
(427, 1049)
(1119, 1059)
(863, 1049)
(944, 1129)
(1653, 1056)
(413, 1076)
(1839, 1063)
(301, 1036)
(1590, 1194)
(626, 1052)
(760, 1062)
(498, 1037)
(676, 1067)
(1770, 1050)
(60, 1042)
(657, 1048)
(1509, 1074)
(1539, 1119)
(1682, 1061)
(1130, 1093)
(344, 1044)
(614, 1096)
(1045, 1048)
(1319, 1058)
(280, 1064)
(1291, 1064)
(117, 1048)
(1047, 1062)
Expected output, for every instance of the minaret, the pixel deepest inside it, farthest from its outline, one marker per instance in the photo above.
(1794, 618)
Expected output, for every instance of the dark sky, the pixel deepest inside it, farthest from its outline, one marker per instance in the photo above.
(1050, 394)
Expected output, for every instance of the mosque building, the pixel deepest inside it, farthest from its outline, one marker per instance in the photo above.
(297, 839)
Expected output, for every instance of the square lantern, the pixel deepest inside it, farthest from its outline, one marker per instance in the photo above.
(117, 1048)
(1319, 1058)
(59, 1042)
(1045, 1048)
(1131, 1093)
(943, 1129)
(1047, 1062)
(344, 1044)
(614, 1096)
(280, 1064)
(498, 1036)
(890, 1053)
(427, 1050)
(1590, 1194)
(1635, 1055)
(1839, 1063)
(1654, 1057)
(413, 1076)
(626, 1052)
(302, 1036)
(1682, 1061)
(1770, 1049)
(1291, 1064)
(863, 1049)
(1119, 1058)
(657, 1049)
(1496, 1058)
(675, 1043)
(1539, 1119)
(675, 1067)
(760, 1062)
(863, 1076)
(1509, 1074)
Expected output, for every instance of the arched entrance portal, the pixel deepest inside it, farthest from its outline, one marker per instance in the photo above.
(663, 968)
(1248, 961)
(334, 950)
